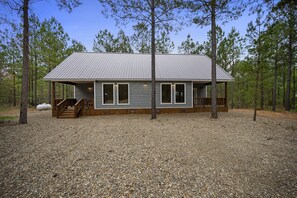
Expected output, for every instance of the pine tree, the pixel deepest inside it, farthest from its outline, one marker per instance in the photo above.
(156, 16)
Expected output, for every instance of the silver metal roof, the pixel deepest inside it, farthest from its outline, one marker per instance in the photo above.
(135, 67)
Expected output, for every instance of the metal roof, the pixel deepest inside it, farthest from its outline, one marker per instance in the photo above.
(91, 66)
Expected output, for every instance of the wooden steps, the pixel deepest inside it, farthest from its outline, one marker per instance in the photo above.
(67, 113)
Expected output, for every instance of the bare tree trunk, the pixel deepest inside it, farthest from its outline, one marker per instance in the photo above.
(294, 90)
(49, 93)
(274, 85)
(232, 84)
(262, 89)
(62, 91)
(284, 89)
(66, 90)
(35, 80)
(290, 56)
(49, 88)
(153, 110)
(232, 95)
(25, 86)
(238, 95)
(14, 89)
(214, 113)
(31, 85)
(256, 96)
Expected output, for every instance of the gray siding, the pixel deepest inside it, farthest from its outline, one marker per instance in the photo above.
(82, 92)
(140, 96)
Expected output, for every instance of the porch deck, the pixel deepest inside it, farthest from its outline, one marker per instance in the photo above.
(85, 107)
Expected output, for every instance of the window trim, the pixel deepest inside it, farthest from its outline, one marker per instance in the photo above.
(170, 93)
(185, 95)
(118, 94)
(113, 95)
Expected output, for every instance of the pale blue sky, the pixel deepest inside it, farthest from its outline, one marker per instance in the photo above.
(86, 20)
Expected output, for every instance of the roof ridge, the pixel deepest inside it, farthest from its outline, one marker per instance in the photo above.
(120, 53)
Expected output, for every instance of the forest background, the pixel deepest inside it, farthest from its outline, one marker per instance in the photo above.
(265, 53)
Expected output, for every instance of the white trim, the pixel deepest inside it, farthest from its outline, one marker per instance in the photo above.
(95, 103)
(161, 94)
(74, 91)
(113, 90)
(185, 93)
(168, 107)
(118, 94)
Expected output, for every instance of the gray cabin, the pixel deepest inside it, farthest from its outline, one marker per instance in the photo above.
(111, 83)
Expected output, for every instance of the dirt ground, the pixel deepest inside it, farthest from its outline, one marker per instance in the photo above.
(177, 155)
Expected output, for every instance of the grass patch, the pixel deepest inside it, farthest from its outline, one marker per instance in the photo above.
(8, 118)
(4, 108)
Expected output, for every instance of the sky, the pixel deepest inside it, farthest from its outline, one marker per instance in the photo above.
(85, 21)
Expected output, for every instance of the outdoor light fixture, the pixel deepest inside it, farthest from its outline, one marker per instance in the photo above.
(90, 89)
(145, 85)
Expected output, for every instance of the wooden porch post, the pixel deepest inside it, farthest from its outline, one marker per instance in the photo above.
(53, 99)
(226, 94)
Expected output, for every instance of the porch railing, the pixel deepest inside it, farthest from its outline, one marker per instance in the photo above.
(61, 106)
(78, 107)
(207, 102)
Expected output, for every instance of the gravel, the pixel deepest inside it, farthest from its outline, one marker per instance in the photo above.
(177, 155)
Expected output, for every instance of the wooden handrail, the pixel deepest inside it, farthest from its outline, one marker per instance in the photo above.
(78, 107)
(61, 107)
(207, 101)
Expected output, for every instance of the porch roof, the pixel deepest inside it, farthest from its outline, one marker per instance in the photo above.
(91, 66)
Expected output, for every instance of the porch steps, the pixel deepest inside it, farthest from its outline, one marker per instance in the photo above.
(67, 113)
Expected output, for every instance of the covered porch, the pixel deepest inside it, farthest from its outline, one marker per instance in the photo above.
(75, 106)
(82, 102)
(202, 95)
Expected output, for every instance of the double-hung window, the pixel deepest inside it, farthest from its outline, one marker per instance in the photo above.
(108, 93)
(180, 93)
(123, 94)
(166, 93)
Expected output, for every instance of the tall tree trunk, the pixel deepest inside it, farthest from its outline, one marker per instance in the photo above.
(257, 79)
(35, 79)
(14, 89)
(232, 95)
(232, 84)
(284, 89)
(66, 90)
(153, 48)
(274, 84)
(290, 56)
(256, 96)
(31, 85)
(294, 89)
(214, 113)
(238, 94)
(63, 90)
(25, 86)
(49, 88)
(262, 89)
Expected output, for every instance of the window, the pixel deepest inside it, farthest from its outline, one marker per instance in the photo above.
(108, 96)
(166, 94)
(123, 93)
(180, 93)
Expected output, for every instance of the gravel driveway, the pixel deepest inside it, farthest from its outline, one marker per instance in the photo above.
(177, 155)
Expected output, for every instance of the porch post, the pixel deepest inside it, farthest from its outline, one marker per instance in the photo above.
(226, 94)
(53, 99)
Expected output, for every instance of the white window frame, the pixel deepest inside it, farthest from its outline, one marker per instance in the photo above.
(113, 90)
(185, 92)
(161, 93)
(118, 94)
